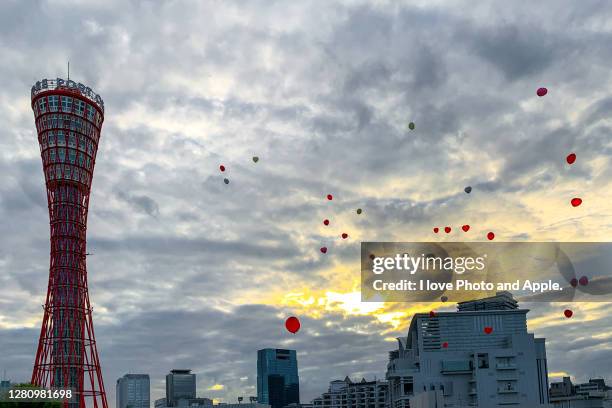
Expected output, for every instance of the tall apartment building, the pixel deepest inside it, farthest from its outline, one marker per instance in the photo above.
(348, 394)
(481, 355)
(133, 391)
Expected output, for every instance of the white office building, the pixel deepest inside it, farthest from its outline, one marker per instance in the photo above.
(133, 391)
(481, 355)
(594, 394)
(353, 394)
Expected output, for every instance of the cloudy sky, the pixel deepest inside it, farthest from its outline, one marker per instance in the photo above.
(189, 272)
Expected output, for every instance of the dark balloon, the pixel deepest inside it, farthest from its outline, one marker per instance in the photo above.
(542, 91)
(411, 126)
(255, 159)
(468, 189)
(226, 181)
(568, 313)
(359, 211)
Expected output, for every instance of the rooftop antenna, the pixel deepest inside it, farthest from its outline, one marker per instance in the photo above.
(68, 70)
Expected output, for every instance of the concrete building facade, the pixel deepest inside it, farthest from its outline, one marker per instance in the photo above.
(481, 355)
(353, 394)
(593, 394)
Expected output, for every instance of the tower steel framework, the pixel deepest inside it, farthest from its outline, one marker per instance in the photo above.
(68, 119)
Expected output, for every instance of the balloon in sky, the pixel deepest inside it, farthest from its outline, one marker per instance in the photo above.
(324, 250)
(447, 230)
(359, 211)
(222, 167)
(490, 236)
(411, 126)
(488, 330)
(255, 159)
(468, 189)
(330, 197)
(576, 202)
(568, 313)
(584, 281)
(436, 230)
(571, 158)
(542, 91)
(226, 181)
(326, 222)
(292, 324)
(465, 228)
(344, 235)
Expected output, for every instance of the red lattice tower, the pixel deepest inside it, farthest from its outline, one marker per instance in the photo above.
(68, 118)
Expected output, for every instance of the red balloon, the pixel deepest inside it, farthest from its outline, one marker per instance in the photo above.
(447, 229)
(436, 230)
(445, 345)
(488, 330)
(292, 324)
(571, 158)
(576, 201)
(542, 91)
(574, 282)
(326, 222)
(330, 197)
(344, 235)
(568, 313)
(432, 314)
(584, 281)
(324, 250)
(222, 167)
(490, 236)
(465, 228)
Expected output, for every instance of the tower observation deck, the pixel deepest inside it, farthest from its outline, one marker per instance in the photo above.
(68, 118)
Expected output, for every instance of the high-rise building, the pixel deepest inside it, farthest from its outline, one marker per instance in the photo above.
(133, 391)
(68, 118)
(481, 355)
(353, 394)
(278, 383)
(180, 384)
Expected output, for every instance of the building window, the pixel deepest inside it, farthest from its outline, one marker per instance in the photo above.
(42, 105)
(90, 112)
(66, 104)
(79, 107)
(53, 103)
(483, 360)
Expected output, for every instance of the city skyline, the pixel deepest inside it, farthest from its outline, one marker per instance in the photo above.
(187, 271)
